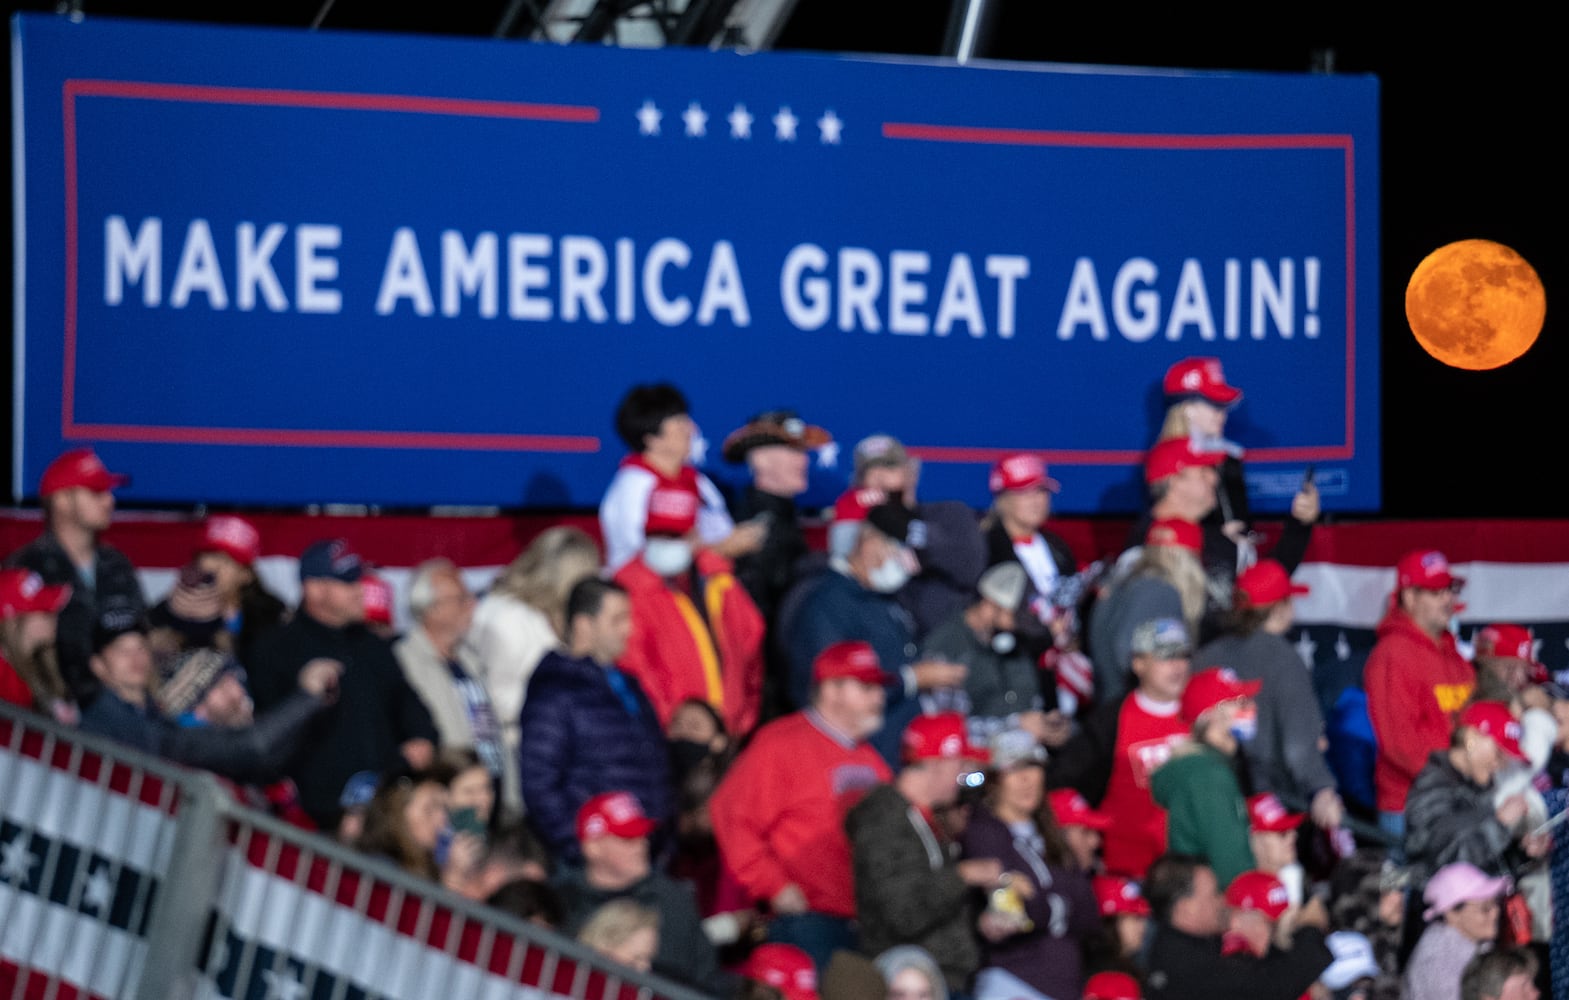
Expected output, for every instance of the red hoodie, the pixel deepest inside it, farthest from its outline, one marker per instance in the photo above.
(1415, 685)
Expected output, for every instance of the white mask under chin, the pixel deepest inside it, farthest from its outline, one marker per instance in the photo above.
(667, 556)
(888, 576)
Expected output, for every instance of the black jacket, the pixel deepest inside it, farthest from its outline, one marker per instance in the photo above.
(901, 895)
(114, 581)
(1450, 818)
(685, 953)
(1034, 634)
(1184, 967)
(254, 755)
(376, 712)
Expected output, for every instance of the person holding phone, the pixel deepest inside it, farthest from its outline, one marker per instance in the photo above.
(1198, 402)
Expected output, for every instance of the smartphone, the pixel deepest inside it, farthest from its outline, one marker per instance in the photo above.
(466, 820)
(1307, 476)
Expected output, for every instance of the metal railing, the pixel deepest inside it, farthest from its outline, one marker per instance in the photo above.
(125, 876)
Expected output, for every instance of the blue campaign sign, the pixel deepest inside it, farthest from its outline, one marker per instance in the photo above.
(279, 267)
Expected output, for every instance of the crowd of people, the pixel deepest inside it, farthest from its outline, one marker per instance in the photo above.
(945, 757)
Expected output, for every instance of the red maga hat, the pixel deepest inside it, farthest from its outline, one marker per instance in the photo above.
(22, 591)
(1169, 457)
(1494, 719)
(1426, 569)
(1259, 891)
(1200, 378)
(614, 814)
(1021, 472)
(1070, 808)
(943, 736)
(1266, 582)
(853, 659)
(79, 467)
(1266, 814)
(1212, 687)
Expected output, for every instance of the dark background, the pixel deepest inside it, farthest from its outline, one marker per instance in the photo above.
(1468, 117)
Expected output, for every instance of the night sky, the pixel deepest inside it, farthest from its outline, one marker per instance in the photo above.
(1468, 127)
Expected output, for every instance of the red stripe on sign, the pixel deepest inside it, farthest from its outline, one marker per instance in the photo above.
(72, 430)
(1106, 140)
(345, 886)
(36, 985)
(286, 438)
(71, 759)
(333, 101)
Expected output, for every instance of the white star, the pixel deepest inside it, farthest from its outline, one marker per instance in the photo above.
(784, 125)
(282, 986)
(740, 122)
(99, 893)
(648, 118)
(830, 127)
(19, 861)
(1306, 647)
(696, 120)
(828, 456)
(699, 450)
(1342, 648)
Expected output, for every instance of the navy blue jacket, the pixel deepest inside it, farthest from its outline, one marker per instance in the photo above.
(840, 609)
(576, 740)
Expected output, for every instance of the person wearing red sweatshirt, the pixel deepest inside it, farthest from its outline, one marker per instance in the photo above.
(1416, 680)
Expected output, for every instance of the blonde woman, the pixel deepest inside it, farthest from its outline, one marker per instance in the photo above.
(1198, 401)
(624, 932)
(521, 619)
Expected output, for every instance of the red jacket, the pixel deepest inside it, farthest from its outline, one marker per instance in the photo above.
(1414, 685)
(676, 657)
(778, 814)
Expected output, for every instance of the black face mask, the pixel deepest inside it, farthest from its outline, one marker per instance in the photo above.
(685, 755)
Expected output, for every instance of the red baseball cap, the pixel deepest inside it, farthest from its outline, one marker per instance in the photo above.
(1505, 640)
(1426, 569)
(853, 504)
(1266, 582)
(854, 659)
(79, 467)
(1169, 457)
(1117, 895)
(234, 536)
(1021, 472)
(1266, 814)
(376, 598)
(22, 591)
(672, 510)
(1112, 986)
(1175, 533)
(1212, 687)
(614, 814)
(785, 967)
(1070, 809)
(1200, 378)
(943, 736)
(1493, 718)
(1259, 891)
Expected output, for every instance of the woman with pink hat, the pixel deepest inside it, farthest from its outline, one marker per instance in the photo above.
(1463, 905)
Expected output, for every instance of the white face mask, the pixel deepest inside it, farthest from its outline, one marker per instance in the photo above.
(889, 576)
(667, 556)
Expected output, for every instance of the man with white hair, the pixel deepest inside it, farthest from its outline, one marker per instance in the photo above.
(444, 670)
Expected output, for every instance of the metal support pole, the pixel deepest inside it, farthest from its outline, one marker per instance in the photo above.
(970, 24)
(174, 933)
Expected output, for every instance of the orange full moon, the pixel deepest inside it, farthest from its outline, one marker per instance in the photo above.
(1475, 304)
